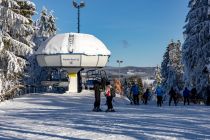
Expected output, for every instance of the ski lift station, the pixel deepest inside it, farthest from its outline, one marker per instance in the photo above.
(73, 52)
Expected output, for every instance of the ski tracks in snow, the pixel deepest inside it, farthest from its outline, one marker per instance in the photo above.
(69, 116)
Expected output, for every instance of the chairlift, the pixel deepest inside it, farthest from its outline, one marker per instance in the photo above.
(96, 75)
(55, 78)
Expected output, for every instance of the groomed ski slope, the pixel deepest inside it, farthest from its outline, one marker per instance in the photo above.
(69, 117)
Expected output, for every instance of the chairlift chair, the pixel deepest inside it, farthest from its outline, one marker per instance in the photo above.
(96, 75)
(56, 78)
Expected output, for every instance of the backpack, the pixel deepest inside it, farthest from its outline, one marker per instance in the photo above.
(113, 94)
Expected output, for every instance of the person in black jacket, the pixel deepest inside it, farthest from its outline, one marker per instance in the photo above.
(193, 95)
(208, 95)
(97, 96)
(186, 95)
(172, 95)
(145, 96)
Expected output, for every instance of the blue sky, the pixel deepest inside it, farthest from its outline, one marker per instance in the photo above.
(136, 31)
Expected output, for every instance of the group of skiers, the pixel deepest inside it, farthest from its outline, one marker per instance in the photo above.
(134, 93)
(174, 95)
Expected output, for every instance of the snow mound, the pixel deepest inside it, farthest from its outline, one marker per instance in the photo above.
(73, 43)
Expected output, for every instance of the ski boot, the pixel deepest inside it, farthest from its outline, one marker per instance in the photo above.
(99, 110)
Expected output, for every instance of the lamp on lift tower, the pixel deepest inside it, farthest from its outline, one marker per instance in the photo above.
(78, 6)
(119, 62)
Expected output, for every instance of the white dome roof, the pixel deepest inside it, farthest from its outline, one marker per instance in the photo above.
(73, 43)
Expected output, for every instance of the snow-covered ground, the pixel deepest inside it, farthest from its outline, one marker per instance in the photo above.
(63, 116)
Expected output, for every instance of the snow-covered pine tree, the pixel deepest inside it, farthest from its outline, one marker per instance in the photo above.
(138, 80)
(17, 31)
(158, 77)
(140, 84)
(51, 24)
(196, 47)
(2, 78)
(177, 65)
(165, 69)
(172, 68)
(45, 27)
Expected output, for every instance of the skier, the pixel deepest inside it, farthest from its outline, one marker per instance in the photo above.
(145, 96)
(159, 93)
(208, 95)
(186, 95)
(193, 95)
(127, 93)
(135, 92)
(172, 95)
(110, 93)
(97, 96)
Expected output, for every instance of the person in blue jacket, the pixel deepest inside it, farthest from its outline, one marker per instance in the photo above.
(186, 95)
(159, 93)
(135, 92)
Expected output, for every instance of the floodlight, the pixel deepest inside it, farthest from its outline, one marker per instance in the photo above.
(82, 4)
(78, 6)
(75, 4)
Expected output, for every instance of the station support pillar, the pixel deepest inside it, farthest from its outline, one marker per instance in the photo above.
(74, 80)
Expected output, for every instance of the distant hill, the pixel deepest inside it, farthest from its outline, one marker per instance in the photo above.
(144, 72)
